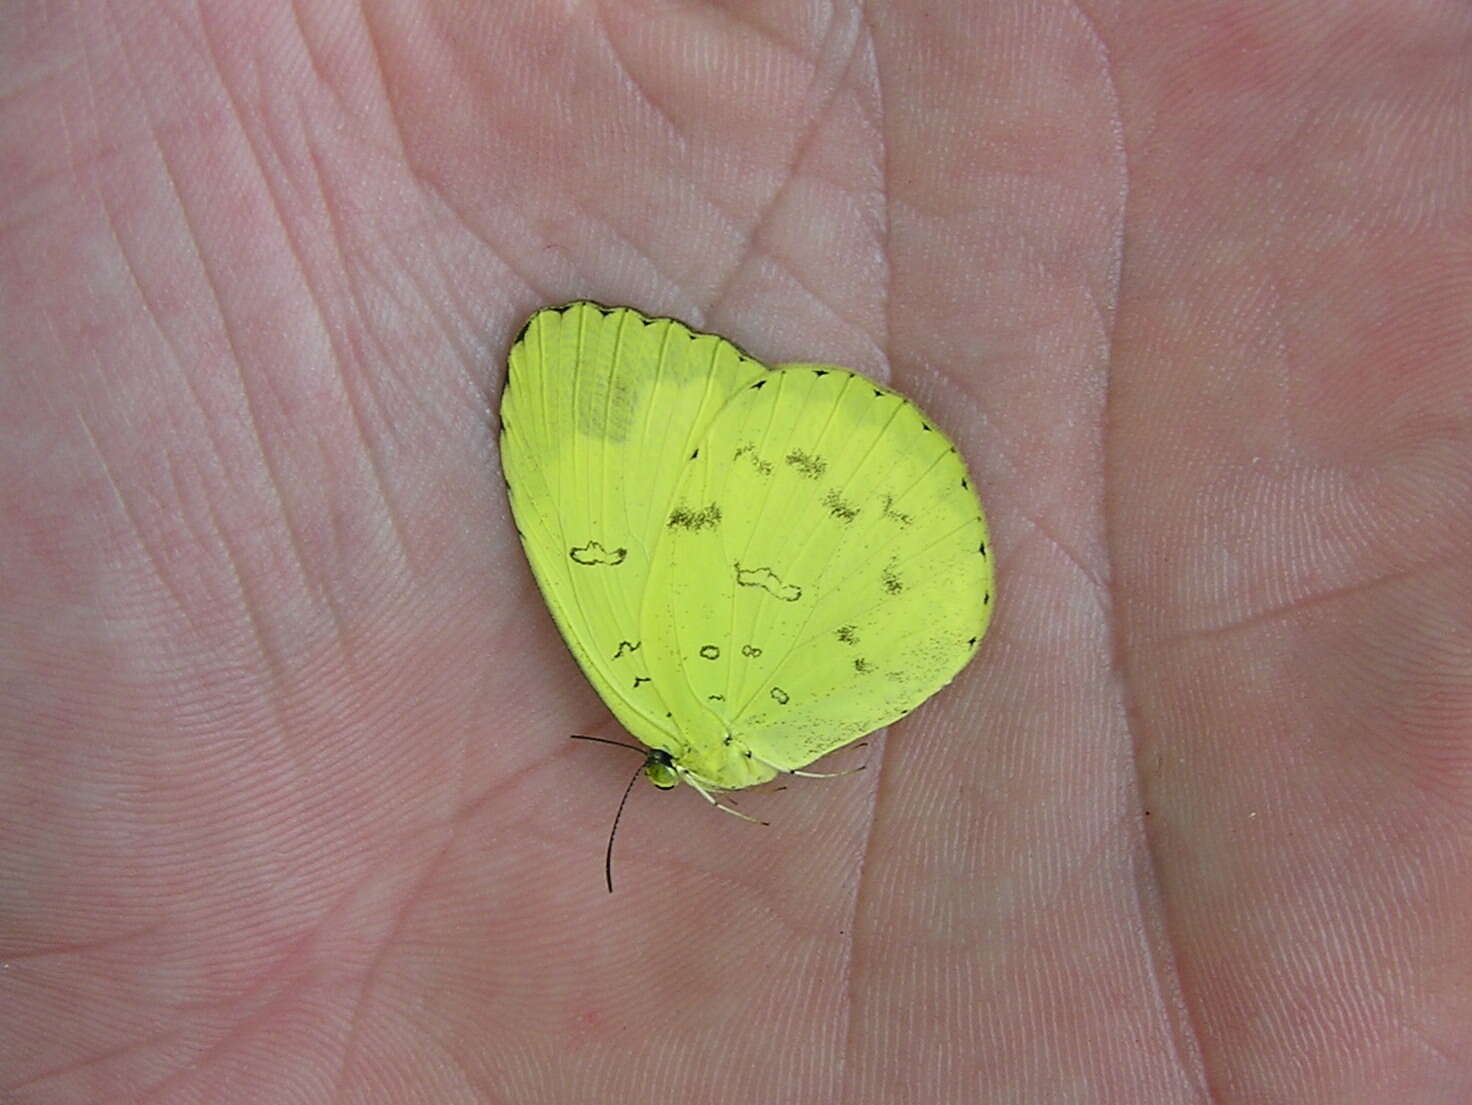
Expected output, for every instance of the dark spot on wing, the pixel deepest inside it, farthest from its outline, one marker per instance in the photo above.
(768, 581)
(844, 512)
(763, 467)
(806, 464)
(594, 553)
(893, 515)
(706, 518)
(893, 585)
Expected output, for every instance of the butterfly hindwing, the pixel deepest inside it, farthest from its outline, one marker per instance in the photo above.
(823, 571)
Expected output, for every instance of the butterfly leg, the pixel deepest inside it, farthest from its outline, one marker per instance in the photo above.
(813, 774)
(829, 774)
(711, 798)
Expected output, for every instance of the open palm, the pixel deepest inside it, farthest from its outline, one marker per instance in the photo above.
(286, 808)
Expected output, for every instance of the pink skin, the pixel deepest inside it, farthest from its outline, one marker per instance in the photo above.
(287, 812)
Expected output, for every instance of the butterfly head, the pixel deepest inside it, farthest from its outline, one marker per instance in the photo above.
(659, 769)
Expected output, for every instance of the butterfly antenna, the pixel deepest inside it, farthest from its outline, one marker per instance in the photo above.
(605, 740)
(608, 856)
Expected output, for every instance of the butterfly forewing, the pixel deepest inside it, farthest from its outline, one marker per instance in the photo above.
(602, 408)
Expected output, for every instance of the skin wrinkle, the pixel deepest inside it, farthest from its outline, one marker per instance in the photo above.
(756, 249)
(228, 330)
(1098, 587)
(1186, 1036)
(133, 523)
(150, 314)
(153, 314)
(248, 606)
(375, 963)
(670, 284)
(1190, 1047)
(1109, 309)
(851, 964)
(538, 292)
(682, 141)
(391, 110)
(294, 6)
(32, 80)
(1162, 957)
(1259, 618)
(201, 1058)
(113, 942)
(340, 362)
(801, 146)
(200, 535)
(737, 14)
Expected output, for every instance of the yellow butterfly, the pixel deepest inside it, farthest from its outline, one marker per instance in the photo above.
(753, 565)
